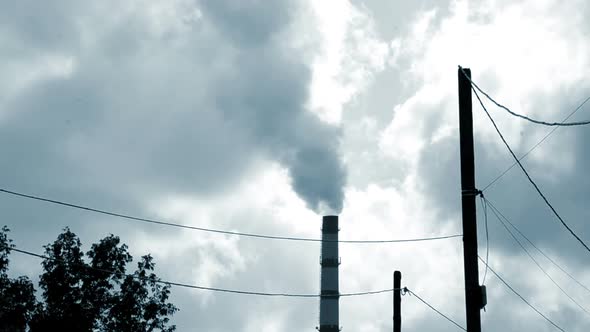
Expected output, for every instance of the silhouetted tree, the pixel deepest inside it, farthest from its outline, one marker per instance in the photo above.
(141, 305)
(62, 282)
(17, 296)
(80, 296)
(101, 288)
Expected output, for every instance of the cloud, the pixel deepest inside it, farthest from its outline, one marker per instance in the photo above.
(125, 109)
(236, 114)
(350, 53)
(517, 56)
(159, 100)
(470, 36)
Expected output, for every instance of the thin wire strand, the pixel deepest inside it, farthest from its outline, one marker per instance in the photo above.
(435, 310)
(537, 248)
(485, 214)
(163, 223)
(527, 174)
(213, 289)
(522, 298)
(560, 124)
(536, 145)
(388, 290)
(536, 262)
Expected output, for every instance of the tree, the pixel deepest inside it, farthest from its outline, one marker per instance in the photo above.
(62, 282)
(101, 287)
(18, 304)
(83, 296)
(142, 303)
(17, 296)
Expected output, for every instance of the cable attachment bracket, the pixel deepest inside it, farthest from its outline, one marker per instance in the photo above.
(404, 291)
(472, 192)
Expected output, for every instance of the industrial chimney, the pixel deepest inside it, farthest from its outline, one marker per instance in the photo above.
(329, 261)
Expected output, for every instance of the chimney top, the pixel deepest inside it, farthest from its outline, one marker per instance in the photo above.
(330, 224)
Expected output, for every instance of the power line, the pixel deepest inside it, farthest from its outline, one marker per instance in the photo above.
(202, 229)
(536, 262)
(485, 213)
(560, 124)
(537, 248)
(536, 145)
(435, 310)
(528, 176)
(388, 290)
(213, 289)
(522, 298)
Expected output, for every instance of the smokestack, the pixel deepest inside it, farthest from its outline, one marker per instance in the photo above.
(329, 261)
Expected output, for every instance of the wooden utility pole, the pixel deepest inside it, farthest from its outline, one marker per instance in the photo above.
(473, 293)
(397, 301)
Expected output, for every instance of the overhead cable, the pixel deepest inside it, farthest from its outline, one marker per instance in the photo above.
(494, 211)
(202, 229)
(435, 310)
(485, 214)
(522, 298)
(527, 174)
(560, 124)
(183, 285)
(536, 145)
(537, 248)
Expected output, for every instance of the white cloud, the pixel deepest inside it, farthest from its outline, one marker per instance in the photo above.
(350, 53)
(517, 50)
(518, 57)
(263, 204)
(390, 213)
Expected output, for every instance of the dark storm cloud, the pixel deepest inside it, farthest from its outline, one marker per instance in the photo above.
(249, 22)
(265, 101)
(146, 114)
(156, 117)
(42, 26)
(265, 95)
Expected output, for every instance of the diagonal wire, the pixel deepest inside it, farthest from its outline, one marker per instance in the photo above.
(202, 229)
(559, 124)
(494, 211)
(536, 145)
(214, 289)
(485, 214)
(537, 248)
(435, 310)
(522, 298)
(527, 174)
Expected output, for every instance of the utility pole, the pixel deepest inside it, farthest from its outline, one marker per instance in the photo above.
(473, 292)
(397, 301)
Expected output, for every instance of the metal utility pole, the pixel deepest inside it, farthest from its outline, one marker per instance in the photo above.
(473, 293)
(397, 301)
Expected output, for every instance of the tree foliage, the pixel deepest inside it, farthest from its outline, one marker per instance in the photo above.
(81, 292)
(17, 296)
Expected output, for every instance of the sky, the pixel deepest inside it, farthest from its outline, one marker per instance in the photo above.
(262, 116)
